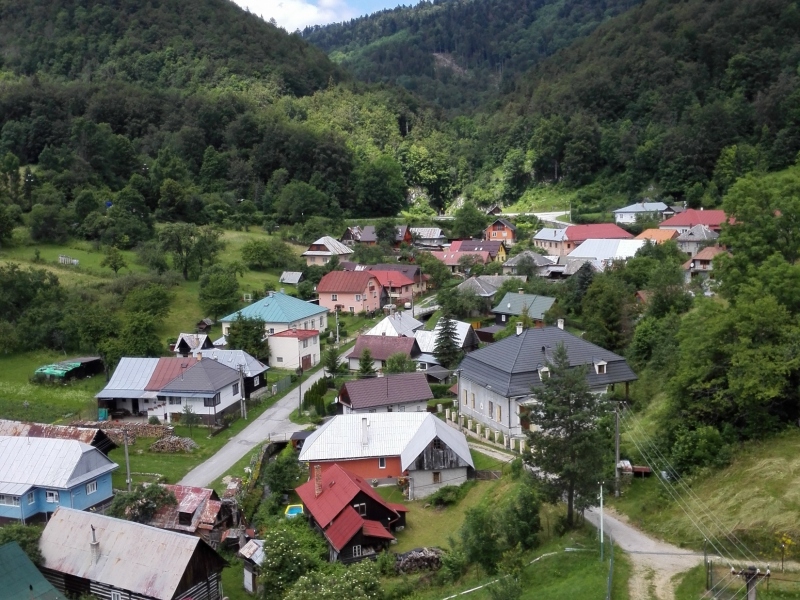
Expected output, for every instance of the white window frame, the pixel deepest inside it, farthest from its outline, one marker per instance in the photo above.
(9, 500)
(358, 297)
(91, 487)
(235, 388)
(334, 297)
(279, 359)
(361, 508)
(382, 462)
(256, 380)
(31, 498)
(356, 551)
(51, 497)
(116, 595)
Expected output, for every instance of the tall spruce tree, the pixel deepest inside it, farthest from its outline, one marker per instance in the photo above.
(447, 350)
(568, 448)
(366, 367)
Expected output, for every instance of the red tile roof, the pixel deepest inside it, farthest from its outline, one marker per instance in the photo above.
(339, 487)
(345, 282)
(300, 334)
(344, 527)
(167, 369)
(691, 217)
(599, 231)
(391, 389)
(383, 346)
(397, 278)
(376, 529)
(397, 507)
(451, 258)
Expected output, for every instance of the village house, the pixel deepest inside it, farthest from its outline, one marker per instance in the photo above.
(210, 388)
(605, 252)
(695, 239)
(20, 579)
(96, 438)
(502, 230)
(412, 272)
(649, 211)
(199, 511)
(366, 235)
(486, 286)
(295, 348)
(189, 343)
(418, 448)
(381, 347)
(682, 222)
(428, 237)
(701, 265)
(321, 252)
(355, 521)
(657, 236)
(400, 324)
(527, 262)
(88, 553)
(280, 312)
(466, 340)
(516, 304)
(498, 383)
(350, 291)
(560, 242)
(553, 241)
(397, 287)
(454, 260)
(401, 392)
(495, 248)
(37, 475)
(254, 372)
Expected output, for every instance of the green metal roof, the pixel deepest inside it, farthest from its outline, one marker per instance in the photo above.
(58, 369)
(515, 304)
(278, 308)
(20, 579)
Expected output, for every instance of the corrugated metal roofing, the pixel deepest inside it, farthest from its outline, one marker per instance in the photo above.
(43, 462)
(390, 389)
(597, 231)
(193, 340)
(427, 233)
(234, 358)
(397, 324)
(393, 279)
(382, 347)
(291, 277)
(451, 258)
(657, 235)
(604, 249)
(691, 217)
(643, 207)
(515, 304)
(426, 340)
(346, 524)
(550, 234)
(20, 579)
(135, 557)
(388, 434)
(510, 367)
(254, 551)
(538, 259)
(87, 435)
(204, 377)
(167, 370)
(129, 378)
(490, 246)
(202, 503)
(278, 308)
(698, 233)
(333, 247)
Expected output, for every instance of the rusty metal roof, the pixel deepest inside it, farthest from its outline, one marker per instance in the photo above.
(134, 557)
(254, 551)
(201, 503)
(87, 435)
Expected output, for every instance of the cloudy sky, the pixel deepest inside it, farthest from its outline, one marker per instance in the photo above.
(296, 14)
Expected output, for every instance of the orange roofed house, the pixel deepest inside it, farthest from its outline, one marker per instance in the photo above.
(412, 448)
(356, 522)
(658, 236)
(350, 291)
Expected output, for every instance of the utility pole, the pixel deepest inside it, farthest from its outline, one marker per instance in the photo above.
(616, 451)
(127, 460)
(601, 521)
(241, 392)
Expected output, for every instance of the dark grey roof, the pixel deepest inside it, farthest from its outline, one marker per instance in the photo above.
(205, 377)
(538, 259)
(382, 391)
(516, 303)
(510, 367)
(437, 372)
(486, 285)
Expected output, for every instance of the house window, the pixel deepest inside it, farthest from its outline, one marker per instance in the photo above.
(9, 500)
(357, 550)
(51, 497)
(465, 397)
(382, 462)
(313, 321)
(174, 400)
(361, 508)
(544, 373)
(279, 359)
(358, 297)
(372, 410)
(305, 324)
(235, 389)
(503, 318)
(91, 487)
(419, 408)
(473, 400)
(494, 234)
(600, 368)
(334, 297)
(352, 310)
(271, 331)
(491, 409)
(305, 343)
(437, 477)
(256, 380)
(401, 409)
(31, 498)
(437, 444)
(499, 413)
(116, 595)
(211, 401)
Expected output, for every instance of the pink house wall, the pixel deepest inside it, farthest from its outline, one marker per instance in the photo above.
(370, 300)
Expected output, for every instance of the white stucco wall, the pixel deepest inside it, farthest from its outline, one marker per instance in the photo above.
(509, 417)
(404, 407)
(422, 481)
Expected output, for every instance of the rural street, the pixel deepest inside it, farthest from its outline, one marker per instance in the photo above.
(274, 420)
(654, 562)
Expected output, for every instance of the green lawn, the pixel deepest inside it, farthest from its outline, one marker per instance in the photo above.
(784, 586)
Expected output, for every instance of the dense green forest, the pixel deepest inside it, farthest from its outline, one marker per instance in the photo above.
(458, 53)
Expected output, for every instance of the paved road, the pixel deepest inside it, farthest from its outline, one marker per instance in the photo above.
(654, 562)
(274, 420)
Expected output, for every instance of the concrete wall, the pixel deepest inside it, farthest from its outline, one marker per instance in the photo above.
(290, 350)
(422, 484)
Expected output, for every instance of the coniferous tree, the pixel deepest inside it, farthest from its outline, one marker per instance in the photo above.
(447, 350)
(568, 448)
(366, 368)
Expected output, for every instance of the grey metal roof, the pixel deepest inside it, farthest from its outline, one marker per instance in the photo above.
(203, 378)
(510, 367)
(397, 324)
(234, 358)
(438, 372)
(403, 434)
(427, 339)
(333, 247)
(607, 249)
(486, 285)
(698, 233)
(145, 560)
(291, 277)
(643, 207)
(514, 303)
(129, 378)
(427, 233)
(550, 234)
(538, 259)
(47, 462)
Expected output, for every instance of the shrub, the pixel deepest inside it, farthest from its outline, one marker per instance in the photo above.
(386, 563)
(454, 563)
(154, 421)
(449, 494)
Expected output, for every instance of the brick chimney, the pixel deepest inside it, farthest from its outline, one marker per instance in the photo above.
(317, 480)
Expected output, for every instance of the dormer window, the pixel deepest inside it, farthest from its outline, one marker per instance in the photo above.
(600, 367)
(544, 373)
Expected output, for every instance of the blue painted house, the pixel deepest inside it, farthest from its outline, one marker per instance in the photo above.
(37, 475)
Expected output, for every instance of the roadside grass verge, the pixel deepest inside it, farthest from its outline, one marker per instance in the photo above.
(692, 584)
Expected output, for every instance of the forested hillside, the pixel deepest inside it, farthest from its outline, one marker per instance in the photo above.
(458, 53)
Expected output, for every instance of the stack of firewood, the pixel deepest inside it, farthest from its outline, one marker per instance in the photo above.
(174, 443)
(419, 559)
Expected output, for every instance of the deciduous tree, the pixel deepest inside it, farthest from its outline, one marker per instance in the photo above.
(219, 290)
(113, 259)
(141, 503)
(247, 333)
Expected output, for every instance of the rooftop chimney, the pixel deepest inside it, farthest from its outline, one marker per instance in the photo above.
(317, 480)
(561, 323)
(519, 328)
(521, 291)
(364, 431)
(199, 356)
(283, 290)
(95, 545)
